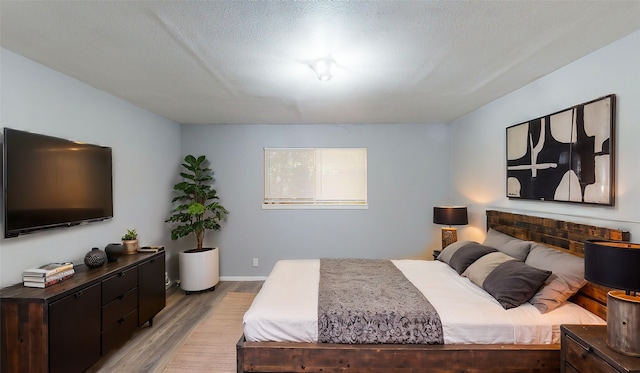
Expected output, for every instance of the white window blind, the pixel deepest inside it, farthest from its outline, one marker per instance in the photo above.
(317, 177)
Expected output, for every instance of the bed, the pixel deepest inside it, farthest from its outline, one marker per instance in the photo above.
(528, 348)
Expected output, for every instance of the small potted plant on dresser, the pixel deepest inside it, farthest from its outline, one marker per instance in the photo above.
(130, 241)
(197, 211)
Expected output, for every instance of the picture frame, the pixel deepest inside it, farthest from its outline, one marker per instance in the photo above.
(567, 156)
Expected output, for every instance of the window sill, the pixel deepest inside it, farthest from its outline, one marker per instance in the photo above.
(313, 207)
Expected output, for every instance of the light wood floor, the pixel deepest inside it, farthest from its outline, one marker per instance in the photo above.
(151, 348)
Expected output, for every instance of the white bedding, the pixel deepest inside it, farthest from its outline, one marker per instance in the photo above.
(286, 309)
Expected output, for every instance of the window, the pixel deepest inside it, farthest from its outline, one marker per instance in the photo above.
(315, 178)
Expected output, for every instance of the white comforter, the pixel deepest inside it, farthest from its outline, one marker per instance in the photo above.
(286, 309)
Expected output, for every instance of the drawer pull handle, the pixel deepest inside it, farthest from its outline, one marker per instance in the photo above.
(121, 274)
(588, 349)
(78, 294)
(120, 321)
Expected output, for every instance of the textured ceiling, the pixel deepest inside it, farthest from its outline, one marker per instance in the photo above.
(208, 62)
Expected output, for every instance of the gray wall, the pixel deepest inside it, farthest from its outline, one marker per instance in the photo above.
(408, 173)
(37, 99)
(409, 169)
(479, 152)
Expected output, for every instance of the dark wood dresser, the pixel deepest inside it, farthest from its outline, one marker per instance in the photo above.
(67, 327)
(585, 350)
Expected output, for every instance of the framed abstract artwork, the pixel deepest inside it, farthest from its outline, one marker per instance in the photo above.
(566, 156)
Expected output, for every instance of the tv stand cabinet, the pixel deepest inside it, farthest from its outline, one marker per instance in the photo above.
(67, 327)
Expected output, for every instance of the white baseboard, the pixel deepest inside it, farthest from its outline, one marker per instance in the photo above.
(243, 278)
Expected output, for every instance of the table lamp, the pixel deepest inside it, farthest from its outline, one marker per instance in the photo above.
(455, 215)
(617, 265)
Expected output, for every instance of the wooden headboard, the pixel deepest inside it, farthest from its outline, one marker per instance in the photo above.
(561, 235)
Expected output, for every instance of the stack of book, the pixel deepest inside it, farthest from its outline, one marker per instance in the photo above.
(47, 275)
(150, 249)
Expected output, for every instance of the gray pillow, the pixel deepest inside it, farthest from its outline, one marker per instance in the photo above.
(468, 254)
(567, 277)
(480, 269)
(513, 283)
(447, 252)
(515, 247)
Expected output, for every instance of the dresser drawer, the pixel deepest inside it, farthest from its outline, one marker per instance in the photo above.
(117, 285)
(118, 308)
(583, 359)
(119, 332)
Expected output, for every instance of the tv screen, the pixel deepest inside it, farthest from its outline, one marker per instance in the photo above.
(51, 182)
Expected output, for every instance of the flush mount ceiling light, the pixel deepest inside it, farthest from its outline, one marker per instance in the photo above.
(323, 68)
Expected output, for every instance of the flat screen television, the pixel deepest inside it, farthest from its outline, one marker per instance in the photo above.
(49, 182)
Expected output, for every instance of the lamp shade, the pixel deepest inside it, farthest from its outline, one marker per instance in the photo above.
(456, 215)
(612, 264)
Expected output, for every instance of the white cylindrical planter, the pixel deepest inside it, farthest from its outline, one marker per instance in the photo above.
(199, 270)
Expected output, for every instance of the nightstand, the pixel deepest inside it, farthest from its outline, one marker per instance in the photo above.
(584, 350)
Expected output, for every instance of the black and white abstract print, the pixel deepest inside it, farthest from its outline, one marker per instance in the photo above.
(566, 156)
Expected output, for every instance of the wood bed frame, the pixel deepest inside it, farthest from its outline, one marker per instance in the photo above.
(326, 357)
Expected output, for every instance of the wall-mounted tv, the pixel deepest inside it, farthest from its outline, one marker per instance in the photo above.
(49, 182)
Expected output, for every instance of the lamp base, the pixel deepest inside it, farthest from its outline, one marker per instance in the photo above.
(623, 323)
(449, 236)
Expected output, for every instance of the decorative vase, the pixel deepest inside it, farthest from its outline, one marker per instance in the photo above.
(130, 246)
(114, 251)
(95, 258)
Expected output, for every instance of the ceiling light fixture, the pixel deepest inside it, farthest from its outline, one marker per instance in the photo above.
(323, 68)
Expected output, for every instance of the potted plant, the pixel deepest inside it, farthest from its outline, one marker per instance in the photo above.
(130, 241)
(197, 211)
